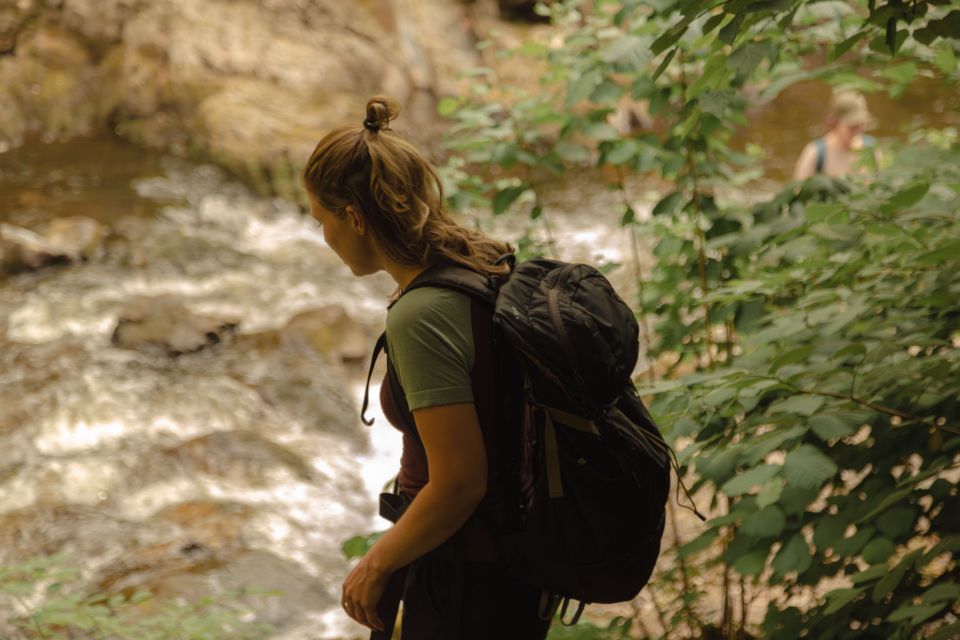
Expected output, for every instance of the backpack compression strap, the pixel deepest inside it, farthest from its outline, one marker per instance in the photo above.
(552, 451)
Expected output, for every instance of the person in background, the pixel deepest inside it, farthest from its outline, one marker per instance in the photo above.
(836, 153)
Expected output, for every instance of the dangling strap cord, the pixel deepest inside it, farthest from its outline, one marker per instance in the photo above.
(672, 458)
(576, 616)
(381, 342)
(676, 468)
(548, 605)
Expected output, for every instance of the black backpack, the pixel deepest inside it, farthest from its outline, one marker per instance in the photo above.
(597, 469)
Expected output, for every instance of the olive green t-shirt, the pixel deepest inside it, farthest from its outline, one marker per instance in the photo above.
(430, 344)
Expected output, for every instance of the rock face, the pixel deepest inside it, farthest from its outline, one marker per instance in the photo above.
(163, 323)
(251, 84)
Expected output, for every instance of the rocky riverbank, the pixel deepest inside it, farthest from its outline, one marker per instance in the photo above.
(248, 84)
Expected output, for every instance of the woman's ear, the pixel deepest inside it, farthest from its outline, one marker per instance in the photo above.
(356, 220)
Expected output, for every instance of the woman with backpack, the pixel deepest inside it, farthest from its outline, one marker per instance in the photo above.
(380, 204)
(837, 152)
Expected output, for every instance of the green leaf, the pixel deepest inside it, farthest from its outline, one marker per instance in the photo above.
(803, 405)
(874, 572)
(600, 131)
(878, 550)
(355, 547)
(827, 427)
(669, 204)
(664, 64)
(916, 614)
(140, 596)
(837, 232)
(890, 581)
(839, 598)
(791, 356)
(659, 386)
(670, 36)
(606, 91)
(945, 59)
(842, 47)
(945, 591)
(793, 556)
(897, 521)
(534, 49)
(746, 58)
(730, 32)
(808, 468)
(901, 73)
(448, 106)
(572, 152)
(505, 197)
(621, 152)
(828, 531)
(718, 466)
(701, 542)
(713, 22)
(752, 563)
(908, 196)
(946, 253)
(745, 481)
(766, 523)
(582, 87)
(626, 49)
(822, 211)
(770, 493)
(886, 503)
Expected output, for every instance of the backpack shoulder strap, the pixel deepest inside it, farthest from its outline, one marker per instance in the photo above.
(476, 285)
(821, 153)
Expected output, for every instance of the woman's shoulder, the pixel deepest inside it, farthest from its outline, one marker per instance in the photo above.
(429, 305)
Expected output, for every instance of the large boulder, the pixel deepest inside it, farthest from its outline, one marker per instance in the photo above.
(250, 84)
(48, 86)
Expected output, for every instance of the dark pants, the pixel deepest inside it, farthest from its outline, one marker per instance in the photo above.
(449, 597)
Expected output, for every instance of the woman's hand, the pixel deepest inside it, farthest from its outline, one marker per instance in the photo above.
(362, 591)
(457, 460)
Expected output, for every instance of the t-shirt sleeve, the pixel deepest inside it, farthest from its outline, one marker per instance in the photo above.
(430, 344)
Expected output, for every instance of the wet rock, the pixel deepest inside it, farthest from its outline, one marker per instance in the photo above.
(72, 239)
(330, 330)
(242, 454)
(293, 378)
(78, 237)
(164, 324)
(48, 86)
(22, 248)
(47, 529)
(259, 570)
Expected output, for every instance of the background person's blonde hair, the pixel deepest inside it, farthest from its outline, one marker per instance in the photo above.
(398, 193)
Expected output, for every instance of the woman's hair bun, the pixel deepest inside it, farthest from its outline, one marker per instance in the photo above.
(380, 111)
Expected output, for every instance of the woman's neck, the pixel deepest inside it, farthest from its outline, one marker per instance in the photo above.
(403, 274)
(838, 141)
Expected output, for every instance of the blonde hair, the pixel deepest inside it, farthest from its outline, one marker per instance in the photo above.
(398, 193)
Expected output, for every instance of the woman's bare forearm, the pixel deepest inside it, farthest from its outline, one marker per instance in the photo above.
(434, 515)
